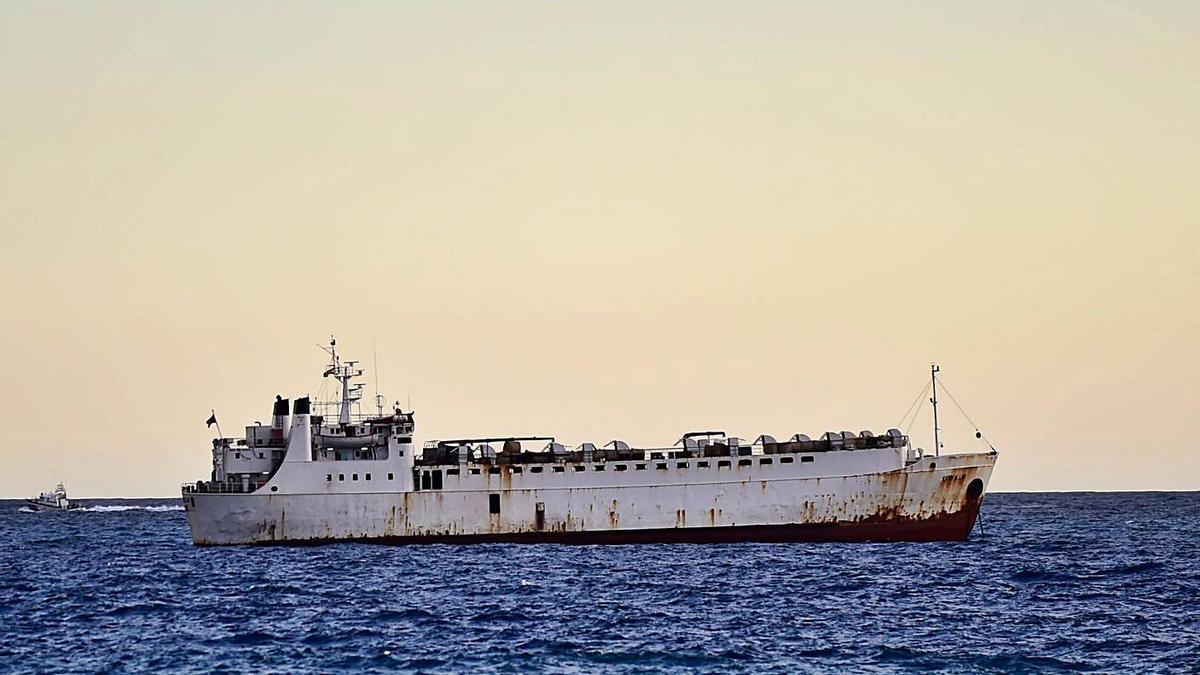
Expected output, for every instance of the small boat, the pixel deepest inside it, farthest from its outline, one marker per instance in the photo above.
(53, 501)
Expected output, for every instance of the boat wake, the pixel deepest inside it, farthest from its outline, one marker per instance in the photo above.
(101, 508)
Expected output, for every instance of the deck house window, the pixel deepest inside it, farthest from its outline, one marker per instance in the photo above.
(437, 479)
(786, 460)
(391, 476)
(621, 467)
(681, 465)
(559, 469)
(494, 504)
(661, 466)
(328, 477)
(702, 465)
(766, 460)
(341, 476)
(368, 476)
(805, 460)
(425, 482)
(723, 463)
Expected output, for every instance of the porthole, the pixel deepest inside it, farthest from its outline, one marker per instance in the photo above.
(274, 488)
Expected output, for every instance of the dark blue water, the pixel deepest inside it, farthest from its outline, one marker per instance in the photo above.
(1100, 582)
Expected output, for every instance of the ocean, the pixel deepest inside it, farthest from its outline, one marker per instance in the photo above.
(1055, 583)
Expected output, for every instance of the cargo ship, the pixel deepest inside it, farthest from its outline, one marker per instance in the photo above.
(312, 477)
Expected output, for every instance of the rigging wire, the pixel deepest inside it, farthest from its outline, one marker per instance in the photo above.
(978, 433)
(913, 409)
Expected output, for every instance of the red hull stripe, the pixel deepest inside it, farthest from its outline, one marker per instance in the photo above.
(943, 527)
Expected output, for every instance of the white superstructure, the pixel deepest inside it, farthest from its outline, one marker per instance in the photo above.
(361, 478)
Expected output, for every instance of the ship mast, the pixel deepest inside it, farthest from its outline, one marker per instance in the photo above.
(933, 371)
(351, 393)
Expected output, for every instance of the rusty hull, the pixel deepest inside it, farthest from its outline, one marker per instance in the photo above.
(935, 499)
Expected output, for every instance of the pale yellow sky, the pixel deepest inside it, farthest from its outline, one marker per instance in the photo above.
(602, 220)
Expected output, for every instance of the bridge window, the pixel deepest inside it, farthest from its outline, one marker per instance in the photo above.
(494, 504)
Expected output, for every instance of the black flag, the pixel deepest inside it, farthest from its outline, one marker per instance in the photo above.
(211, 420)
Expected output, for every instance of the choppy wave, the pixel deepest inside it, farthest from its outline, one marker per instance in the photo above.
(1083, 582)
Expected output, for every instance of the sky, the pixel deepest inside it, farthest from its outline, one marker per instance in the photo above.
(602, 220)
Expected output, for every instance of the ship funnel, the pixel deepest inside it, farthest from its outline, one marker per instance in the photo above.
(279, 417)
(299, 447)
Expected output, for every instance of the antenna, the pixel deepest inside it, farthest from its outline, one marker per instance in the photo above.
(933, 371)
(379, 400)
